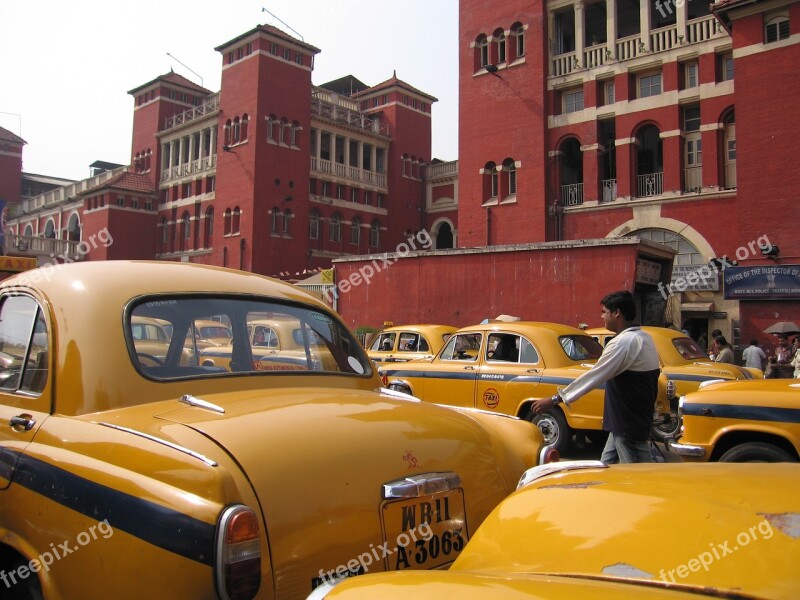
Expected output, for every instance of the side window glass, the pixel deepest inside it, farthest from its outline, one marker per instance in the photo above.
(503, 347)
(464, 346)
(527, 353)
(408, 342)
(23, 345)
(384, 343)
(423, 345)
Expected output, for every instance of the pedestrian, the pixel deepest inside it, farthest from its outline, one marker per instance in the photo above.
(754, 357)
(713, 350)
(724, 351)
(629, 367)
(796, 364)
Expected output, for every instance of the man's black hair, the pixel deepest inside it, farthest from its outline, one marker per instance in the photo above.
(623, 301)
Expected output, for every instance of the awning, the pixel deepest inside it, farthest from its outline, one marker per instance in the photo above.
(704, 307)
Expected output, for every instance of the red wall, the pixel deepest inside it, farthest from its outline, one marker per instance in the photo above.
(464, 287)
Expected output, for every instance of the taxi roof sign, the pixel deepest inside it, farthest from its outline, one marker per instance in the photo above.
(17, 264)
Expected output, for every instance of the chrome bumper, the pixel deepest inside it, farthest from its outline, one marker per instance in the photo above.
(685, 449)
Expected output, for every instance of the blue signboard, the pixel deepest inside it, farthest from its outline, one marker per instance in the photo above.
(764, 282)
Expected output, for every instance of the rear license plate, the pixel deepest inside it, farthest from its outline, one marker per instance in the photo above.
(424, 533)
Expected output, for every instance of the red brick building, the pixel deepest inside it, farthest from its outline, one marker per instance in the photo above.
(271, 174)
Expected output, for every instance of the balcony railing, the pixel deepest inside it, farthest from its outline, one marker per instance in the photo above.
(200, 165)
(42, 246)
(572, 194)
(650, 184)
(210, 106)
(693, 179)
(445, 169)
(628, 48)
(344, 111)
(609, 190)
(327, 167)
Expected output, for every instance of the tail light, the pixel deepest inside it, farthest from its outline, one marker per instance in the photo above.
(238, 560)
(385, 379)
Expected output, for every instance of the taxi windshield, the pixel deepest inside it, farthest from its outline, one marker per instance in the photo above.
(263, 336)
(580, 347)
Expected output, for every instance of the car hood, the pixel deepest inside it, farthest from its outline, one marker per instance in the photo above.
(317, 459)
(725, 526)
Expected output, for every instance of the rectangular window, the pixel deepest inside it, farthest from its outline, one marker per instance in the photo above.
(610, 93)
(121, 201)
(691, 118)
(726, 67)
(692, 79)
(573, 101)
(273, 49)
(353, 195)
(148, 205)
(325, 188)
(298, 58)
(134, 203)
(649, 85)
(287, 54)
(367, 197)
(340, 192)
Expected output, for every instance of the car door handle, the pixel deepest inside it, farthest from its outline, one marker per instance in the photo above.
(533, 371)
(469, 368)
(22, 422)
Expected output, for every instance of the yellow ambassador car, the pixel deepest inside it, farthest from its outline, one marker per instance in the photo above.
(655, 531)
(741, 421)
(409, 342)
(685, 366)
(503, 367)
(130, 477)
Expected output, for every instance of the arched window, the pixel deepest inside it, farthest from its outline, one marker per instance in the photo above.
(649, 162)
(293, 133)
(245, 122)
(74, 228)
(481, 52)
(236, 134)
(187, 225)
(276, 218)
(499, 54)
(510, 175)
(282, 135)
(228, 227)
(272, 122)
(287, 216)
(226, 139)
(729, 150)
(50, 229)
(571, 172)
(313, 225)
(490, 181)
(237, 214)
(209, 228)
(776, 29)
(28, 231)
(444, 236)
(336, 228)
(375, 234)
(148, 155)
(355, 231)
(518, 31)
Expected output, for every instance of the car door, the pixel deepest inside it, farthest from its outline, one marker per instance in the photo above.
(25, 375)
(452, 376)
(509, 372)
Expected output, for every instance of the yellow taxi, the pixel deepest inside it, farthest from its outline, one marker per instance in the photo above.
(644, 531)
(503, 367)
(408, 342)
(685, 366)
(740, 421)
(129, 477)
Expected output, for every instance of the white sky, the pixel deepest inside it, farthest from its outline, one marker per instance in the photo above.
(66, 67)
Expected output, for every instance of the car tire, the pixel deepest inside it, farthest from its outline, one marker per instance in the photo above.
(756, 452)
(554, 428)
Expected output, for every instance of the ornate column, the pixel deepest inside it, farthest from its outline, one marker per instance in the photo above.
(580, 36)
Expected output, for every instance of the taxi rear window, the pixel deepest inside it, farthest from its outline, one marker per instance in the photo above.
(302, 339)
(580, 347)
